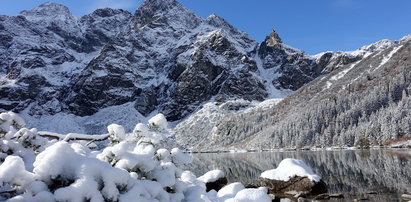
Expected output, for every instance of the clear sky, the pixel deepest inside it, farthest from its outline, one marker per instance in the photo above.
(311, 25)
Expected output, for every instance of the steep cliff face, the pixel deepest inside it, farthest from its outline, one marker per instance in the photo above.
(163, 58)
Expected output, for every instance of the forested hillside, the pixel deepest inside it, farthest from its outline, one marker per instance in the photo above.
(363, 103)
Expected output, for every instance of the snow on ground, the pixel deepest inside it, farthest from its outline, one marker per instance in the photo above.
(289, 168)
(344, 72)
(125, 115)
(236, 192)
(388, 57)
(198, 127)
(340, 75)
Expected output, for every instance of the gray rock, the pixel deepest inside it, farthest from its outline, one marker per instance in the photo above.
(299, 184)
(328, 196)
(406, 197)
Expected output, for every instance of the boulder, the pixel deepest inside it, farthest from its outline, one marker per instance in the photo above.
(292, 175)
(406, 197)
(214, 179)
(299, 184)
(216, 185)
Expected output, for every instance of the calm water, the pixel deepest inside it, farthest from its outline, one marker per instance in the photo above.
(351, 172)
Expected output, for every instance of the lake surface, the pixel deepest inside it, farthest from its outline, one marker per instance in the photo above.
(354, 173)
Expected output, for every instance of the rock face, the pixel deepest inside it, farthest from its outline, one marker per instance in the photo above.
(163, 58)
(295, 68)
(42, 52)
(299, 184)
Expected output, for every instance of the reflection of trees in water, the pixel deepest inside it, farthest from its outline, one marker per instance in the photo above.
(358, 171)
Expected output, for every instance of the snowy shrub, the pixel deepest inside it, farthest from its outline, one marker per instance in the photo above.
(158, 122)
(13, 171)
(131, 168)
(10, 122)
(116, 133)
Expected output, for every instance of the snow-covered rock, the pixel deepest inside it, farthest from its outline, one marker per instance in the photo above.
(214, 180)
(289, 168)
(292, 175)
(212, 176)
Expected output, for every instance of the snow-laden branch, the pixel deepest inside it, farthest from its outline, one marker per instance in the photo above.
(73, 136)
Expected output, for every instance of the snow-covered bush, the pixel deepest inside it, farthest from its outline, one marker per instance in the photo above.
(158, 122)
(116, 133)
(10, 122)
(131, 168)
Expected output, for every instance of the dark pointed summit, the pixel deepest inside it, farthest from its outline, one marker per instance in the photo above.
(273, 40)
(271, 44)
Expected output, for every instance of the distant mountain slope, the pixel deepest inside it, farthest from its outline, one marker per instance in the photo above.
(55, 67)
(365, 99)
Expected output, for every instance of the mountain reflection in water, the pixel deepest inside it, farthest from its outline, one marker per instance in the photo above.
(351, 172)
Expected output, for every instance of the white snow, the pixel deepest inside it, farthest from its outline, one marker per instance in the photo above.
(230, 190)
(388, 57)
(179, 157)
(201, 124)
(268, 75)
(401, 144)
(211, 176)
(158, 122)
(13, 171)
(125, 115)
(140, 129)
(10, 119)
(344, 72)
(251, 195)
(117, 131)
(289, 168)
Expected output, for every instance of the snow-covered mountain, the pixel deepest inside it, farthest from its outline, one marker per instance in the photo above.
(68, 74)
(362, 99)
(57, 69)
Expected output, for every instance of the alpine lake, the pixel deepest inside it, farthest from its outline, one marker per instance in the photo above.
(364, 175)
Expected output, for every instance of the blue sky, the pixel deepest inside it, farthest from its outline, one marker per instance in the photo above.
(314, 26)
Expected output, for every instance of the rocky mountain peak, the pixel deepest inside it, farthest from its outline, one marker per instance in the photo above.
(273, 40)
(378, 46)
(171, 61)
(219, 22)
(151, 10)
(48, 10)
(108, 12)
